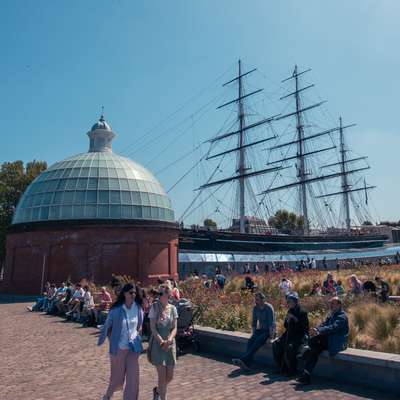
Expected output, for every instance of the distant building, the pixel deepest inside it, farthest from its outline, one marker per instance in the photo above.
(89, 216)
(252, 225)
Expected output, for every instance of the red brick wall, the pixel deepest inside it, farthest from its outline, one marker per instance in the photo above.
(90, 252)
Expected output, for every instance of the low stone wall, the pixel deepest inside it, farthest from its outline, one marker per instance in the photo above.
(358, 367)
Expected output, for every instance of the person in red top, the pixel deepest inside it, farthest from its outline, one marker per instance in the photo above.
(105, 299)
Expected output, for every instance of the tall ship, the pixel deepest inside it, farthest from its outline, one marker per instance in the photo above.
(290, 184)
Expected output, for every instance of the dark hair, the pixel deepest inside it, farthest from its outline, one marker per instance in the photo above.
(121, 296)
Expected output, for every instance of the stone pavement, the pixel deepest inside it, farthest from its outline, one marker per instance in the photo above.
(43, 358)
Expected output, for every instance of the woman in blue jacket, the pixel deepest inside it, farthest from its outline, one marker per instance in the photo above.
(123, 327)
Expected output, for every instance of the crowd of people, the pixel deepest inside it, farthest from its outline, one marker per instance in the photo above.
(74, 301)
(135, 314)
(378, 288)
(299, 265)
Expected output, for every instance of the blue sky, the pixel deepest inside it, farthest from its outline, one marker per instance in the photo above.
(157, 65)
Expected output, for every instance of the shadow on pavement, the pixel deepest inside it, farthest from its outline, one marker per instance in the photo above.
(316, 384)
(13, 298)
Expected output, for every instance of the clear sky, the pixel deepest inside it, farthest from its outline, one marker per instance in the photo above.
(157, 65)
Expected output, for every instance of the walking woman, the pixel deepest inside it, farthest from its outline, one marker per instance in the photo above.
(162, 348)
(122, 327)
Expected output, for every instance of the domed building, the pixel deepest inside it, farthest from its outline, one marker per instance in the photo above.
(89, 216)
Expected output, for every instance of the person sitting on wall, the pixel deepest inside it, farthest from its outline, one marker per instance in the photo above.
(88, 314)
(75, 303)
(58, 296)
(263, 327)
(331, 335)
(41, 301)
(62, 305)
(286, 347)
(383, 289)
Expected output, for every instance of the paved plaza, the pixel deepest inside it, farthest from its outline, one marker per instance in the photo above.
(43, 357)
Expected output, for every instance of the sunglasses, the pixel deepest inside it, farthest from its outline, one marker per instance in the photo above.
(132, 292)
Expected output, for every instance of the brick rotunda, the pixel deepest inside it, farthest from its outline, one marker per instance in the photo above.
(89, 216)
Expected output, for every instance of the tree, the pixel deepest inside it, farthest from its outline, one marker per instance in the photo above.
(367, 223)
(209, 223)
(286, 221)
(14, 179)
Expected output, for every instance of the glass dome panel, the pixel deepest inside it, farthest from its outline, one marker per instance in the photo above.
(94, 185)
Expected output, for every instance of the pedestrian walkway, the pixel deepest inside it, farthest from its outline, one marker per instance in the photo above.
(44, 357)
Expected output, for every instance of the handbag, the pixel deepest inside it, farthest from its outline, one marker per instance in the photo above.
(135, 345)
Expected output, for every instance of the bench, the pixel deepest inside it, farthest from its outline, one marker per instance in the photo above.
(352, 366)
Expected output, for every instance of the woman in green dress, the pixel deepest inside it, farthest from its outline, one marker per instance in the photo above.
(162, 348)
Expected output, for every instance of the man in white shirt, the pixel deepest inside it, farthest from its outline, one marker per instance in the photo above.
(76, 299)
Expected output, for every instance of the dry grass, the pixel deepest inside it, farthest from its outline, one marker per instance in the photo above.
(372, 326)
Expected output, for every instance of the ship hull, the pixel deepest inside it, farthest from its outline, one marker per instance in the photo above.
(212, 241)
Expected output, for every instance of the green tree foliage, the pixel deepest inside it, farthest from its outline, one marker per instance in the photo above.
(14, 179)
(286, 221)
(209, 223)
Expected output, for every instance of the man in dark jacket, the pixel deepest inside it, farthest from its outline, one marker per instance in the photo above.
(286, 347)
(263, 327)
(331, 335)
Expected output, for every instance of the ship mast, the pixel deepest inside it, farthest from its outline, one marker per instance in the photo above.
(303, 179)
(242, 171)
(241, 166)
(301, 159)
(345, 185)
(344, 173)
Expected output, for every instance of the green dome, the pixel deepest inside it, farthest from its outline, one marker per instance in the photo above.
(95, 185)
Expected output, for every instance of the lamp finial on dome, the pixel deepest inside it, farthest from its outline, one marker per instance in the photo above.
(101, 135)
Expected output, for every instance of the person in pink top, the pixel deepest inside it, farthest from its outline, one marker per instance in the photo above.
(105, 299)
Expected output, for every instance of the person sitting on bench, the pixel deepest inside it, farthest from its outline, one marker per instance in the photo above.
(263, 327)
(285, 348)
(331, 335)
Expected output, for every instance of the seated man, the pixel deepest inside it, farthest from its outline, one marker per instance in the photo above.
(331, 335)
(77, 298)
(263, 327)
(58, 295)
(285, 348)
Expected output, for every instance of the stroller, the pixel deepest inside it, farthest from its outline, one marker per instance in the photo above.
(186, 335)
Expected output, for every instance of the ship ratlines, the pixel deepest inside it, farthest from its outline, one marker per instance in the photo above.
(282, 161)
